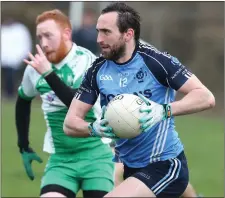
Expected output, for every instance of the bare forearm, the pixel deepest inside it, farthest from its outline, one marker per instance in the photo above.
(76, 127)
(195, 101)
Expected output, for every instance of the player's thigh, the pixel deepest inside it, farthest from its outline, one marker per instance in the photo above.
(53, 194)
(165, 178)
(98, 174)
(59, 177)
(97, 184)
(131, 187)
(189, 192)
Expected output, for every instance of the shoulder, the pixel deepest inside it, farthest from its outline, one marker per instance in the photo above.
(84, 52)
(98, 62)
(95, 66)
(156, 58)
(148, 51)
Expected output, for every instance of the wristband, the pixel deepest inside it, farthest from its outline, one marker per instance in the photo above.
(168, 111)
(90, 127)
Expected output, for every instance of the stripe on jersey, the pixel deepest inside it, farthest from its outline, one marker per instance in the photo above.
(161, 133)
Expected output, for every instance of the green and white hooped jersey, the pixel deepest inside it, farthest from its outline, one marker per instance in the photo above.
(71, 70)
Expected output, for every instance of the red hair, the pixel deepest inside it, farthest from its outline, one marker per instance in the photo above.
(56, 15)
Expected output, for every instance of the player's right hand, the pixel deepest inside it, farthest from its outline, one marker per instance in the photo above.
(39, 61)
(28, 155)
(100, 128)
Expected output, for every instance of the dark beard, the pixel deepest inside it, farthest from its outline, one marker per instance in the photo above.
(116, 53)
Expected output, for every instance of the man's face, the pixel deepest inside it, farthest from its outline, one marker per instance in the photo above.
(50, 37)
(111, 41)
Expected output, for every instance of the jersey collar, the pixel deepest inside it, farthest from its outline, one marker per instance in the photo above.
(68, 57)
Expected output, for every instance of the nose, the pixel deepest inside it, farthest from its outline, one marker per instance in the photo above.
(99, 38)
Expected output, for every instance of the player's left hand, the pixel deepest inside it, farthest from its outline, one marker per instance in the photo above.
(100, 128)
(28, 156)
(39, 62)
(154, 113)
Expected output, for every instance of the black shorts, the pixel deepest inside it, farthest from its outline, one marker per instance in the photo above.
(165, 178)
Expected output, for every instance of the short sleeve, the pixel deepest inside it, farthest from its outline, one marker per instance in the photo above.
(176, 73)
(88, 91)
(26, 89)
(168, 70)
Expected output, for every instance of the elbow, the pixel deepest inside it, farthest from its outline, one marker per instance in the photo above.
(210, 101)
(68, 129)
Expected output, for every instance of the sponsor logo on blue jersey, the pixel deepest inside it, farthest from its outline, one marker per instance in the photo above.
(147, 93)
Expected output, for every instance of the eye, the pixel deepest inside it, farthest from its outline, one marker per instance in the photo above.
(107, 32)
(47, 35)
(104, 30)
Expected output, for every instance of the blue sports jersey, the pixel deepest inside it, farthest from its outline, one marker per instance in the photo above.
(157, 76)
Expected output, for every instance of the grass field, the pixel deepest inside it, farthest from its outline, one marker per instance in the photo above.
(203, 139)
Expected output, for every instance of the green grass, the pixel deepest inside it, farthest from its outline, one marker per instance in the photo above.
(204, 147)
(203, 139)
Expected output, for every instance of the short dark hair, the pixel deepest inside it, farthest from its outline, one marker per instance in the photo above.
(127, 18)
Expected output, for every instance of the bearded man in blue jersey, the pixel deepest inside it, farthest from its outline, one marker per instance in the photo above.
(154, 162)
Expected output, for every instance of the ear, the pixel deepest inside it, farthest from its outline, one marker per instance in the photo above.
(67, 32)
(129, 34)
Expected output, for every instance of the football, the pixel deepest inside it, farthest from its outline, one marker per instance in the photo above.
(122, 113)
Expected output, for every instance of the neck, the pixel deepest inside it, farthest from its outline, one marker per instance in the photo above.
(130, 47)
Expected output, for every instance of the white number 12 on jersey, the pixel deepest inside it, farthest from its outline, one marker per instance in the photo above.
(123, 82)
